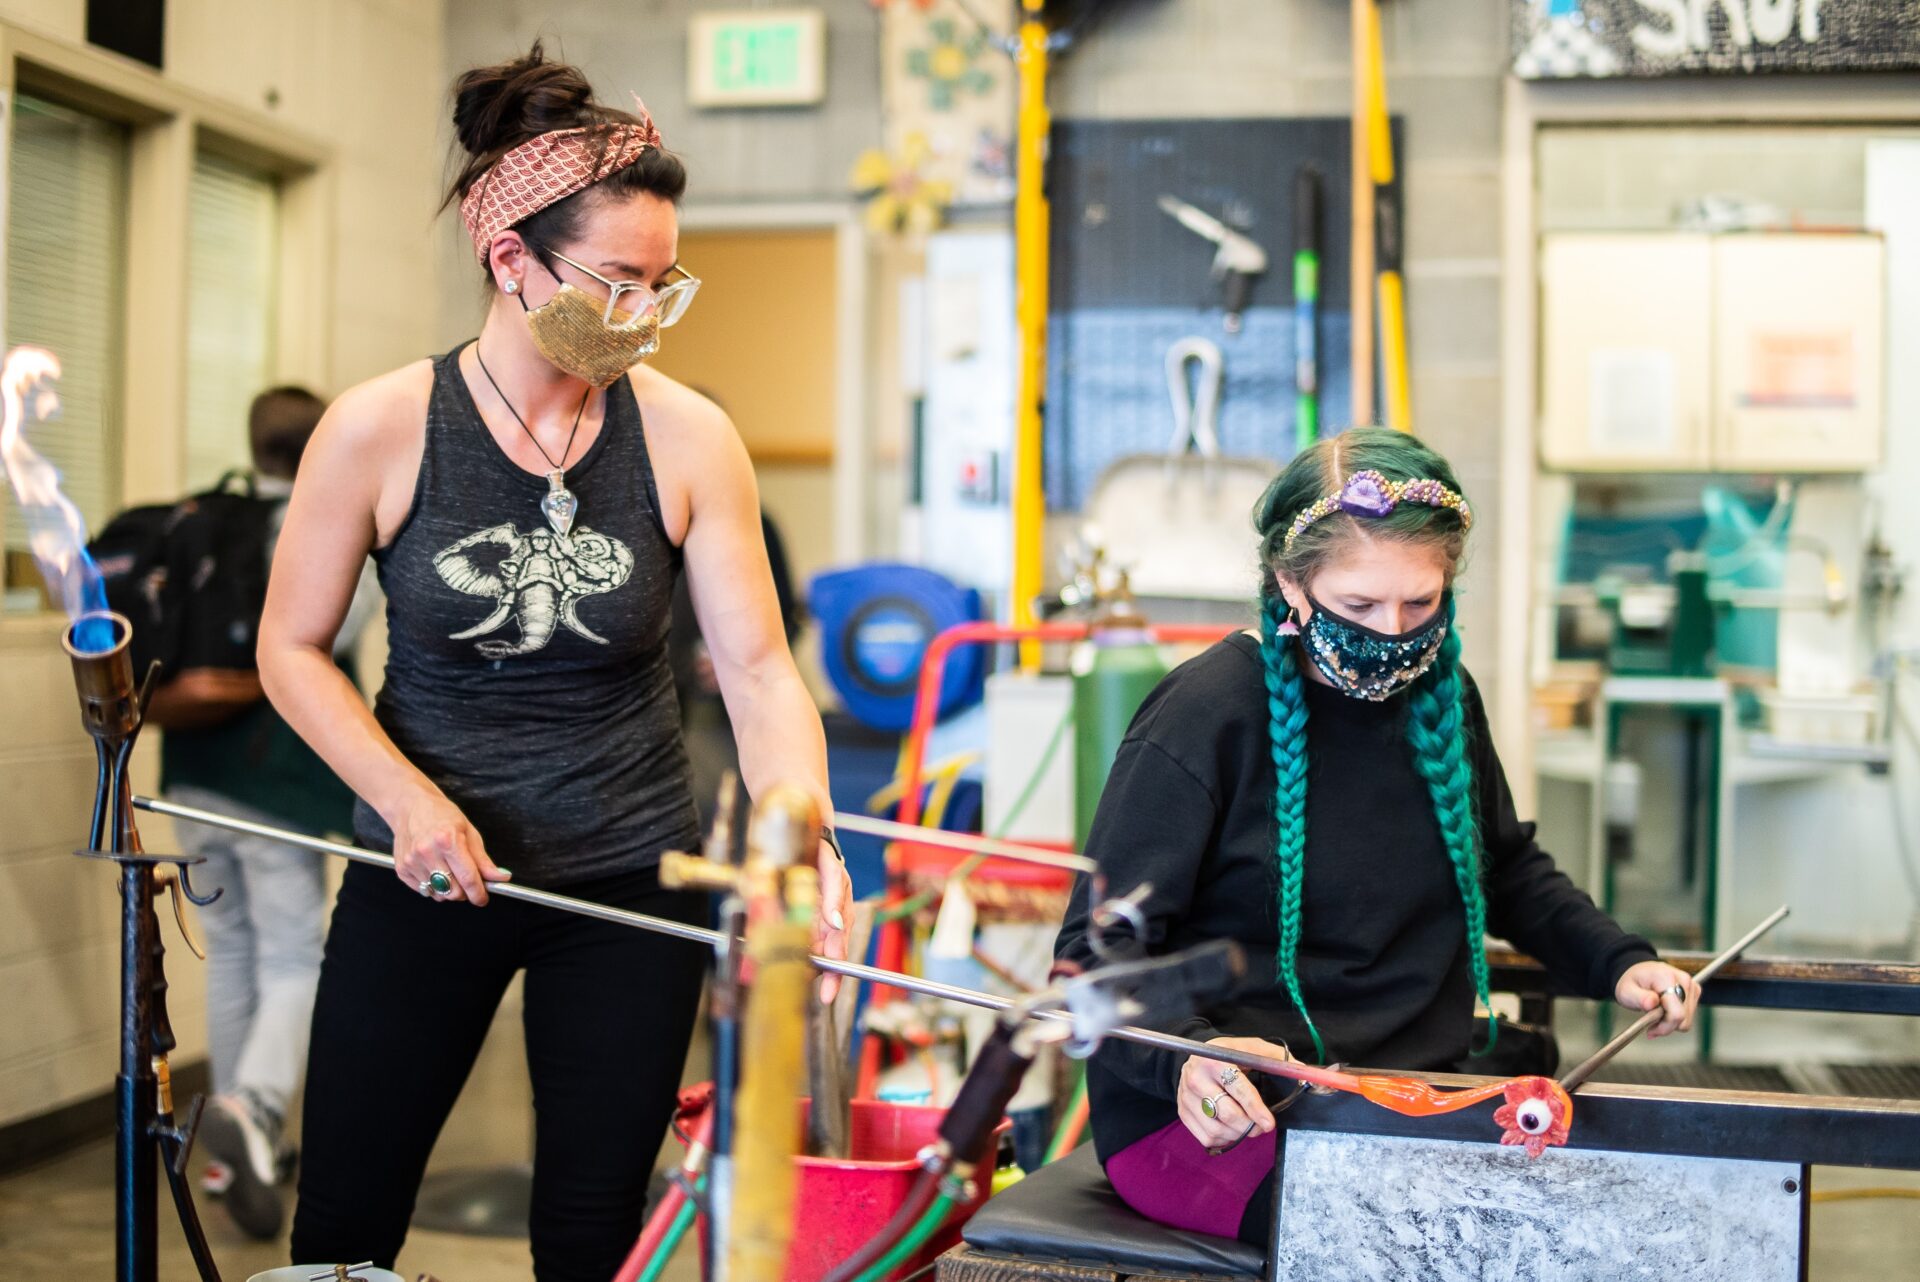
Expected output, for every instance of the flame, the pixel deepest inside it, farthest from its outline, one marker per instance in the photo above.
(56, 532)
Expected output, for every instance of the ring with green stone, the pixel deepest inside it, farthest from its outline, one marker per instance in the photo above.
(439, 883)
(1209, 1107)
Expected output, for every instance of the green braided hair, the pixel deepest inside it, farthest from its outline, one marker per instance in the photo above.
(1437, 723)
(1438, 730)
(1287, 735)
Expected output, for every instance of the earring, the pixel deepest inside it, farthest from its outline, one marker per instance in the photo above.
(512, 287)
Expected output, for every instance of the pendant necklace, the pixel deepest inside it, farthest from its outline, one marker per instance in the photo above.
(559, 503)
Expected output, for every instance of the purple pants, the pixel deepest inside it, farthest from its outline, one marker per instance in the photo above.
(1169, 1176)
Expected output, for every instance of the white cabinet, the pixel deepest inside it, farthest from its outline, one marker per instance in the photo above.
(1752, 352)
(1798, 346)
(1626, 351)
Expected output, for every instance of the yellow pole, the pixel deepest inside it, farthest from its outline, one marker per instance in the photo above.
(1360, 284)
(1030, 217)
(1395, 387)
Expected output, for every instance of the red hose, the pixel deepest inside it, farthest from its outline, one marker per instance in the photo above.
(694, 1102)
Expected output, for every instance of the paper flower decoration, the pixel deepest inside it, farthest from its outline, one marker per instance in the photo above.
(948, 65)
(900, 196)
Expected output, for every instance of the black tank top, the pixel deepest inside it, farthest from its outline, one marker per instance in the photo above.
(527, 672)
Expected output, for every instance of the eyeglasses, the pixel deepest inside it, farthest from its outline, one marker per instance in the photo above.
(666, 304)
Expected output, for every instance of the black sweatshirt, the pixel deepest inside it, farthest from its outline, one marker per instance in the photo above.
(1383, 959)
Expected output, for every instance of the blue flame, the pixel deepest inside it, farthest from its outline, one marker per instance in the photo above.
(93, 630)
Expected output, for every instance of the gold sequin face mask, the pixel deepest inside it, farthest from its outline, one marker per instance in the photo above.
(570, 330)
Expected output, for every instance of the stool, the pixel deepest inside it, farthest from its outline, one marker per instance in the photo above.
(1064, 1223)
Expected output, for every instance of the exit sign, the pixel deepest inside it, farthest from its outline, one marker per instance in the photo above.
(757, 58)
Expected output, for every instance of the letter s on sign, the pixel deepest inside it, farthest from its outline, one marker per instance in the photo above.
(1671, 43)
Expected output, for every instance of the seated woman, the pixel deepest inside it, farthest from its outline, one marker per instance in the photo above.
(1326, 792)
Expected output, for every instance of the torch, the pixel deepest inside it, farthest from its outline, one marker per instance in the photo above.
(111, 708)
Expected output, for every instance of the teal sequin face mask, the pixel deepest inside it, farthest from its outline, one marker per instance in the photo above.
(1367, 664)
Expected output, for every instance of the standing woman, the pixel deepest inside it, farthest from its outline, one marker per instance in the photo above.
(529, 499)
(1326, 792)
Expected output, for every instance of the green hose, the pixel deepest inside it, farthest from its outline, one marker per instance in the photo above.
(671, 1242)
(913, 1240)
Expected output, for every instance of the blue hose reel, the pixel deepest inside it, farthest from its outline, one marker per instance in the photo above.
(876, 621)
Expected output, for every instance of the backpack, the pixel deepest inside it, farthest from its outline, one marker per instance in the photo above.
(191, 577)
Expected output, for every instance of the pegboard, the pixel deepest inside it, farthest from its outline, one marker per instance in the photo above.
(1128, 281)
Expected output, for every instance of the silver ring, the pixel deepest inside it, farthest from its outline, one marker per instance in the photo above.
(1227, 1077)
(425, 888)
(1209, 1106)
(1680, 991)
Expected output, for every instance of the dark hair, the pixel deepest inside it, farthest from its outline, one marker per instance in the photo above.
(280, 422)
(497, 108)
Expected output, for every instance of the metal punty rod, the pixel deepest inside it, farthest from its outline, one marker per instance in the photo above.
(713, 938)
(1593, 1063)
(961, 841)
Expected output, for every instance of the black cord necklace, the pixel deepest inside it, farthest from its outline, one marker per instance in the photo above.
(559, 503)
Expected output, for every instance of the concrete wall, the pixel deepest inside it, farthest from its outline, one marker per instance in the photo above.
(347, 74)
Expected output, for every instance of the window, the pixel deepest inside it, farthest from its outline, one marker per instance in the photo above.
(66, 261)
(233, 222)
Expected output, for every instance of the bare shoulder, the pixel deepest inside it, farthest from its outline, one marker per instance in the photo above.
(365, 455)
(677, 417)
(384, 416)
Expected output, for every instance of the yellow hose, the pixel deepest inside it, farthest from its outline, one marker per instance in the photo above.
(1863, 1195)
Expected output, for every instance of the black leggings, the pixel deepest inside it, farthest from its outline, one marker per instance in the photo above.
(408, 989)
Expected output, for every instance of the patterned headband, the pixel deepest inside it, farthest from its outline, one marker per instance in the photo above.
(1370, 494)
(547, 169)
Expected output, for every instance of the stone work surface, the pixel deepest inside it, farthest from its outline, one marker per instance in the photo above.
(1370, 1208)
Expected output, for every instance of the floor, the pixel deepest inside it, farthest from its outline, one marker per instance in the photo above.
(56, 1219)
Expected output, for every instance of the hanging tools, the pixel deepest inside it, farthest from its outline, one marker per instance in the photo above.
(1236, 261)
(781, 890)
(1306, 307)
(1575, 1077)
(1195, 401)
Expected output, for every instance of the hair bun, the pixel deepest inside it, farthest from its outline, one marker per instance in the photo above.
(497, 108)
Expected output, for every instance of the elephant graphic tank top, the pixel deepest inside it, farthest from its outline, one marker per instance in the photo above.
(527, 670)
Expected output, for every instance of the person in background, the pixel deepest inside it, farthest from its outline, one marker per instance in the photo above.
(264, 931)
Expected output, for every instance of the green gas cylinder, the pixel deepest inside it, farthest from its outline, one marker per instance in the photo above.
(1112, 676)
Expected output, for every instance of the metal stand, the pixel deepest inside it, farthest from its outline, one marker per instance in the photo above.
(111, 708)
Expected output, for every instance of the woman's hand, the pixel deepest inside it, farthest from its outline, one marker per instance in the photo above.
(431, 835)
(830, 922)
(1653, 983)
(1234, 1100)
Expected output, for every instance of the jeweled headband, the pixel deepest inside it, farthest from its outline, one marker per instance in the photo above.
(547, 169)
(1370, 494)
